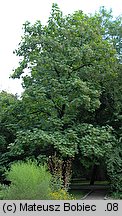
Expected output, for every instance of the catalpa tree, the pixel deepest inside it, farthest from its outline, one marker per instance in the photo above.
(67, 67)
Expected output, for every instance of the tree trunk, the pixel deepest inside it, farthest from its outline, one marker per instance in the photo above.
(93, 175)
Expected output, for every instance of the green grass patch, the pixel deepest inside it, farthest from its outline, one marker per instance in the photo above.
(78, 182)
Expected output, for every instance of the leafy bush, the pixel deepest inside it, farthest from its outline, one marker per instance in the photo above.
(116, 195)
(28, 181)
(61, 194)
(3, 189)
(2, 143)
(114, 169)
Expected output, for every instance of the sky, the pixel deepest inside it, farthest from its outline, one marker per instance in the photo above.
(14, 13)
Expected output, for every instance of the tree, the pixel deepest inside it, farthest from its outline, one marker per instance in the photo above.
(112, 29)
(67, 87)
(9, 116)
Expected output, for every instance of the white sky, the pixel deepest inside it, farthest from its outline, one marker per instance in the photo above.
(13, 13)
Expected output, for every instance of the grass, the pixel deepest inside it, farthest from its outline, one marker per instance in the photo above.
(80, 182)
(102, 182)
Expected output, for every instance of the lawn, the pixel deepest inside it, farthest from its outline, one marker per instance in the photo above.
(87, 182)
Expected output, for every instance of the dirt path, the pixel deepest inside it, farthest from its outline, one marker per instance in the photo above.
(96, 195)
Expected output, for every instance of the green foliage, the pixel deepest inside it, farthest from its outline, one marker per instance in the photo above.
(68, 71)
(2, 143)
(114, 168)
(30, 143)
(95, 142)
(3, 189)
(112, 29)
(116, 195)
(9, 113)
(37, 142)
(28, 181)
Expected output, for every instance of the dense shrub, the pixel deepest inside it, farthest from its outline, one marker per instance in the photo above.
(28, 181)
(116, 195)
(61, 194)
(114, 169)
(3, 189)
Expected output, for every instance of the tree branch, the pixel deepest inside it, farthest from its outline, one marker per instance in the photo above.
(75, 69)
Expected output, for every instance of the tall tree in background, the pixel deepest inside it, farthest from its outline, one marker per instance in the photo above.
(9, 113)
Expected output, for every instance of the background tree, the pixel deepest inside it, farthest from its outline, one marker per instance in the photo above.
(8, 125)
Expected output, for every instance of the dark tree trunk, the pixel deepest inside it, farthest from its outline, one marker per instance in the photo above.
(93, 175)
